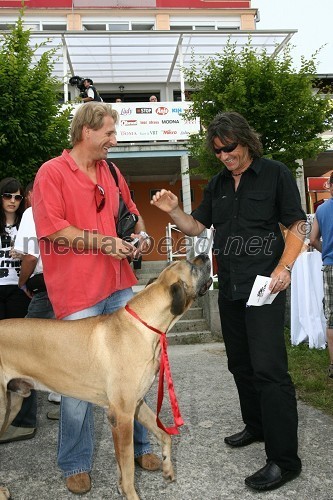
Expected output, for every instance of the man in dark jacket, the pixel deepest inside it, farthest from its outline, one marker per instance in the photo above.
(91, 93)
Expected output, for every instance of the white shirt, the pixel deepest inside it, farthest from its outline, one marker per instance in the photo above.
(26, 241)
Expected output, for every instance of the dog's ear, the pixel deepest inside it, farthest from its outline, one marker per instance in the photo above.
(178, 295)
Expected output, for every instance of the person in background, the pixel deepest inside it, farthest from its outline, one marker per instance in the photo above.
(90, 92)
(118, 99)
(13, 301)
(153, 98)
(321, 238)
(31, 281)
(246, 203)
(76, 228)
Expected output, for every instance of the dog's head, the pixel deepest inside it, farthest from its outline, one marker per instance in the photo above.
(186, 280)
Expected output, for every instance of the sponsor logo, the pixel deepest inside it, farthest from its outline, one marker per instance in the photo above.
(162, 110)
(142, 111)
(168, 122)
(125, 111)
(127, 123)
(169, 132)
(177, 110)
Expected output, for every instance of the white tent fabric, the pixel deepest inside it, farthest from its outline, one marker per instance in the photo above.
(141, 57)
(307, 316)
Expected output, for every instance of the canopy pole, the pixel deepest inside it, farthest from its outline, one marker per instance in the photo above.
(181, 72)
(64, 70)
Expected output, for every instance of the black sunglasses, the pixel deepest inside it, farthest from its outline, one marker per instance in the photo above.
(226, 149)
(99, 197)
(9, 196)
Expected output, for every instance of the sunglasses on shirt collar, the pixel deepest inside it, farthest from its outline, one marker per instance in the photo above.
(226, 149)
(99, 197)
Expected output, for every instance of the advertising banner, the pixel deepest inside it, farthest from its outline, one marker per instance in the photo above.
(154, 121)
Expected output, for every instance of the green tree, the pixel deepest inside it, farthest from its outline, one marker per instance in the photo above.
(278, 101)
(32, 126)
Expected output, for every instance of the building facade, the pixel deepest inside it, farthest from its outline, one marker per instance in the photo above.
(132, 49)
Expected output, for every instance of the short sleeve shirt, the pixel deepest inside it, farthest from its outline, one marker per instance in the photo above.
(26, 240)
(248, 238)
(64, 196)
(324, 216)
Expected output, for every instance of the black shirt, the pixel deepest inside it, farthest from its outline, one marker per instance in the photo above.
(248, 240)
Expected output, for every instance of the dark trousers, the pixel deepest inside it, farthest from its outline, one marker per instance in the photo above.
(39, 307)
(13, 302)
(257, 358)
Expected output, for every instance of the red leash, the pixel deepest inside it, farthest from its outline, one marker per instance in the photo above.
(164, 368)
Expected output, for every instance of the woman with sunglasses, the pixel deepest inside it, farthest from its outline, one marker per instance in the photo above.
(13, 301)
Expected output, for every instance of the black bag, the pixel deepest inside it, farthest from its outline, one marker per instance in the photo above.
(126, 220)
(36, 283)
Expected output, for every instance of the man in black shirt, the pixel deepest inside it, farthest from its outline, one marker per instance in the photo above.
(246, 203)
(91, 93)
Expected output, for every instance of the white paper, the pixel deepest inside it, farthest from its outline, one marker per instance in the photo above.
(260, 293)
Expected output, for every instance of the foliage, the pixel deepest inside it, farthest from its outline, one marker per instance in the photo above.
(32, 126)
(308, 369)
(278, 102)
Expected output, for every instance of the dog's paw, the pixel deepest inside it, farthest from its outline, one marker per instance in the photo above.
(169, 475)
(4, 493)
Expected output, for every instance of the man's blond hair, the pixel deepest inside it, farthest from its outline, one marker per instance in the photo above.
(90, 114)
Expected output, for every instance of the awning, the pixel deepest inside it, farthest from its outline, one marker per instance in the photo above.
(145, 57)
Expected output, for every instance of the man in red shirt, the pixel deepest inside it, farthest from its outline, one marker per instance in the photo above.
(86, 269)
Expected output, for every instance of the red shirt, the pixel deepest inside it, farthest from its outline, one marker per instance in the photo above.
(65, 196)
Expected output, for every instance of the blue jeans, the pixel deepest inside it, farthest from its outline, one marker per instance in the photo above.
(76, 425)
(39, 307)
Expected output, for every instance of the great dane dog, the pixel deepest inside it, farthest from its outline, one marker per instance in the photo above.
(109, 360)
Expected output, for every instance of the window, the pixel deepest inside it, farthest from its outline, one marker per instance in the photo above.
(223, 28)
(54, 27)
(180, 28)
(118, 26)
(5, 26)
(143, 26)
(32, 26)
(94, 27)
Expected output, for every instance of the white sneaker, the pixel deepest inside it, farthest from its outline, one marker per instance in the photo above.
(54, 397)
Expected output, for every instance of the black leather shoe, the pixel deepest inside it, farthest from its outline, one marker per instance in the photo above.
(242, 438)
(270, 477)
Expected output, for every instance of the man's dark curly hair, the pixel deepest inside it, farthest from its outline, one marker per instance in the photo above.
(231, 127)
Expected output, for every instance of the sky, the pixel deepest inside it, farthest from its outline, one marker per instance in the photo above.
(312, 18)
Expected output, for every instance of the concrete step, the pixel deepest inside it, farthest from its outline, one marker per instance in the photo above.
(193, 313)
(200, 337)
(152, 266)
(190, 325)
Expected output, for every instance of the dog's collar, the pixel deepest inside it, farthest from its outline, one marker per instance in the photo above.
(164, 368)
(136, 316)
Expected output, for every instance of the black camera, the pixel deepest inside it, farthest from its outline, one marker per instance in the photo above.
(78, 82)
